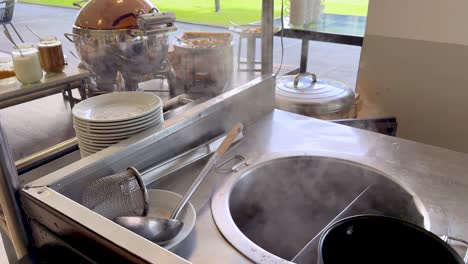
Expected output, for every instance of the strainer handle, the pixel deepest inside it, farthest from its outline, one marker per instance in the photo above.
(300, 75)
(143, 190)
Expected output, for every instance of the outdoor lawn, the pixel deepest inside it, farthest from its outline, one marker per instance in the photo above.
(239, 11)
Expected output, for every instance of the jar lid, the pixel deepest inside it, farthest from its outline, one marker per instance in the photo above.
(112, 14)
(48, 41)
(305, 91)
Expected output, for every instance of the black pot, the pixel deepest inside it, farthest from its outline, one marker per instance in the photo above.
(370, 239)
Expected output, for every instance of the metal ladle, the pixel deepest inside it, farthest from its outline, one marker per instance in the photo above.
(39, 37)
(162, 230)
(8, 36)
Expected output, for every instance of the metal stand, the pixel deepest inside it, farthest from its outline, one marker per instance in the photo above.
(9, 198)
(11, 24)
(251, 54)
(267, 36)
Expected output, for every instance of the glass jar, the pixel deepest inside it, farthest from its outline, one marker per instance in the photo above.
(6, 71)
(26, 63)
(51, 54)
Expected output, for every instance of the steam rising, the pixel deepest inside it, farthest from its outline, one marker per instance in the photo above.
(286, 203)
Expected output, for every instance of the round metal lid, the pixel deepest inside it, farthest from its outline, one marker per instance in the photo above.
(112, 14)
(315, 96)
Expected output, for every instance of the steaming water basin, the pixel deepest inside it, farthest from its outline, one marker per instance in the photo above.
(271, 211)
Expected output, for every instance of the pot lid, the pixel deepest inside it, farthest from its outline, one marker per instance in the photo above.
(317, 96)
(112, 14)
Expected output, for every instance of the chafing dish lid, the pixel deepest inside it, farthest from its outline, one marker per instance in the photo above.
(112, 14)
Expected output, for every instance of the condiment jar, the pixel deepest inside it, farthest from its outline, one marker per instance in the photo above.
(51, 54)
(26, 63)
(6, 71)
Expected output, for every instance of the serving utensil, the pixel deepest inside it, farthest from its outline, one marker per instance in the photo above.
(161, 230)
(184, 41)
(8, 36)
(39, 37)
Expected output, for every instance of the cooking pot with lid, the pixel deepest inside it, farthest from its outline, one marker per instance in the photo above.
(127, 36)
(307, 95)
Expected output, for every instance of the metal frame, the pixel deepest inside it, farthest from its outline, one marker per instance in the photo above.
(10, 200)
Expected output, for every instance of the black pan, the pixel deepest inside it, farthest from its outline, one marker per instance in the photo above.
(371, 239)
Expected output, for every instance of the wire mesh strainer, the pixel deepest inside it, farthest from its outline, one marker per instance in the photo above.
(120, 194)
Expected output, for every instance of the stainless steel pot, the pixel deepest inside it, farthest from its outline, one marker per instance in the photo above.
(211, 67)
(136, 47)
(307, 95)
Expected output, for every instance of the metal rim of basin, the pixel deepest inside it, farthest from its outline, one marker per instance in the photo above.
(220, 206)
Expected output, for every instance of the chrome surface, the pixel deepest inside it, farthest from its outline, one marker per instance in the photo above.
(435, 177)
(59, 202)
(163, 169)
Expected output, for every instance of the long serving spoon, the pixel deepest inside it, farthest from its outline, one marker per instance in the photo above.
(161, 230)
(8, 36)
(39, 37)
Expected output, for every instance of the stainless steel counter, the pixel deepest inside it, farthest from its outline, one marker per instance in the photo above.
(436, 177)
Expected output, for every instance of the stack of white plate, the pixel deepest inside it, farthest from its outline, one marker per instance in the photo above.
(105, 120)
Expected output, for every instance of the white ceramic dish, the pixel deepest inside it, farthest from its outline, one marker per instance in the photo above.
(149, 123)
(88, 149)
(94, 141)
(96, 145)
(112, 136)
(152, 115)
(115, 107)
(162, 203)
(114, 125)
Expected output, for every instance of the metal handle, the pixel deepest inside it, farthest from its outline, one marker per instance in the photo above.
(447, 239)
(68, 35)
(77, 3)
(300, 75)
(233, 168)
(230, 138)
(144, 192)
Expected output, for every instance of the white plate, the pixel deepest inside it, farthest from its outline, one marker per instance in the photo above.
(94, 141)
(116, 107)
(162, 203)
(112, 136)
(96, 144)
(84, 130)
(155, 114)
(88, 149)
(84, 153)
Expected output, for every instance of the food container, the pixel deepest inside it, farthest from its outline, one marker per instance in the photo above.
(6, 68)
(51, 54)
(305, 94)
(204, 57)
(130, 37)
(26, 63)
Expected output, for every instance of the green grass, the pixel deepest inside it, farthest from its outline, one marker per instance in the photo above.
(239, 11)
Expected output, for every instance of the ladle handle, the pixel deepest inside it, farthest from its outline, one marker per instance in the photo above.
(232, 135)
(227, 142)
